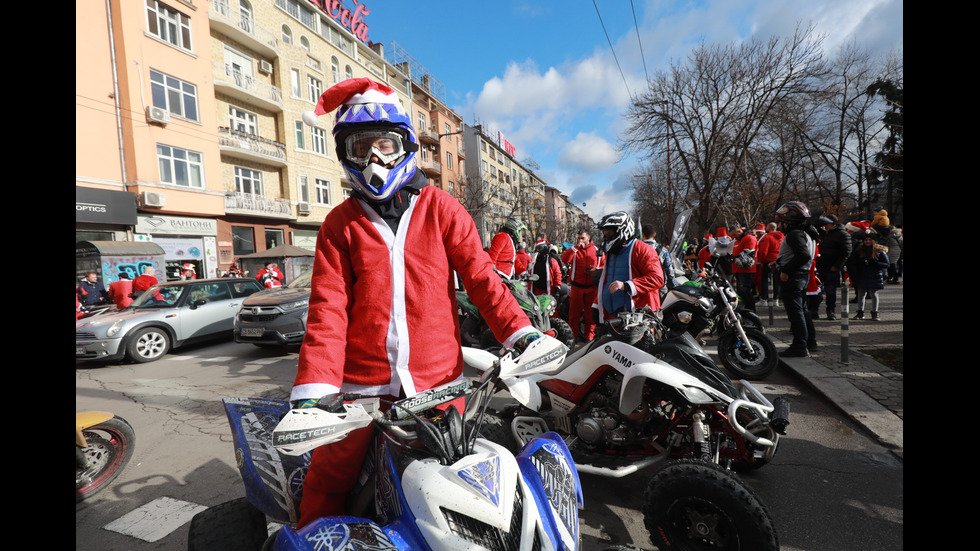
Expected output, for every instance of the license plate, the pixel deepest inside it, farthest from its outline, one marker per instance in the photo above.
(252, 331)
(79, 350)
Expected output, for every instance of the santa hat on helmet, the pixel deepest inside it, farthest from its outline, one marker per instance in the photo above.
(856, 226)
(352, 91)
(540, 243)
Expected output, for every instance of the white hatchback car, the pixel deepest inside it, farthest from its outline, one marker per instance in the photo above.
(165, 316)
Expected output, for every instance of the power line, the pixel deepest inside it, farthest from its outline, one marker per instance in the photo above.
(612, 50)
(637, 27)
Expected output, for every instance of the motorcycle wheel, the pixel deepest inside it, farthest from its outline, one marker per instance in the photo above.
(234, 525)
(736, 359)
(110, 447)
(563, 332)
(747, 318)
(693, 505)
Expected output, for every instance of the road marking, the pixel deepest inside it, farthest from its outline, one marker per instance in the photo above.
(155, 520)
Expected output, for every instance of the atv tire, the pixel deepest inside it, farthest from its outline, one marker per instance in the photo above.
(563, 331)
(693, 505)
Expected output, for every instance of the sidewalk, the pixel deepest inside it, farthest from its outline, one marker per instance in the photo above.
(870, 393)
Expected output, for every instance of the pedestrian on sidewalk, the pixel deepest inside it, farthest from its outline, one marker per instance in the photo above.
(768, 252)
(796, 255)
(866, 268)
(835, 249)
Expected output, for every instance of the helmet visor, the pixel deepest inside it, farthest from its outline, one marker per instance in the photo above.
(386, 145)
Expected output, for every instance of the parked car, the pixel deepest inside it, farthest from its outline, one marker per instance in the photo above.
(275, 317)
(165, 316)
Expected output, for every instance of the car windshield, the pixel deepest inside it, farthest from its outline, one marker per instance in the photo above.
(302, 280)
(160, 296)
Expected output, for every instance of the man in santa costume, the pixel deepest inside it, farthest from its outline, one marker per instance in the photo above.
(581, 261)
(504, 245)
(382, 317)
(632, 275)
(745, 256)
(547, 269)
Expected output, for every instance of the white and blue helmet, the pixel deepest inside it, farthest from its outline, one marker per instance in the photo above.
(370, 124)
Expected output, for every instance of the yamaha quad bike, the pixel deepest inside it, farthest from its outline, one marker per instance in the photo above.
(539, 309)
(628, 401)
(709, 306)
(435, 483)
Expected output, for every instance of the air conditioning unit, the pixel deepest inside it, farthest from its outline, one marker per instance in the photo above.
(157, 114)
(154, 199)
(304, 208)
(265, 67)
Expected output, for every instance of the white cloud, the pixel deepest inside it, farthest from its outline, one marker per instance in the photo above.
(589, 152)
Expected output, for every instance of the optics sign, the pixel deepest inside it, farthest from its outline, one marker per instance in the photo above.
(351, 20)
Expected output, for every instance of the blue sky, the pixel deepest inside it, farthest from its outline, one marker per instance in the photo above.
(543, 73)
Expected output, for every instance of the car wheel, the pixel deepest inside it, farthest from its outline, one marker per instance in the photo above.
(148, 345)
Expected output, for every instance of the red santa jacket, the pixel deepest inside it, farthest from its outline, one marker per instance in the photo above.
(503, 254)
(745, 243)
(646, 278)
(383, 313)
(521, 261)
(769, 247)
(580, 261)
(119, 292)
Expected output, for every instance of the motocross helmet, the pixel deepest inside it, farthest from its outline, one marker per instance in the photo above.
(794, 212)
(370, 124)
(516, 228)
(624, 227)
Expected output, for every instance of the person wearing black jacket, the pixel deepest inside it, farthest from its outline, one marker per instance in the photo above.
(796, 254)
(835, 248)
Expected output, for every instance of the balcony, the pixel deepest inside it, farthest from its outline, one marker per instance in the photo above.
(428, 136)
(243, 145)
(256, 205)
(242, 28)
(245, 87)
(430, 167)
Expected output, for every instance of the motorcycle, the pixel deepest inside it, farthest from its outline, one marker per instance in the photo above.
(628, 401)
(435, 482)
(104, 444)
(709, 306)
(539, 309)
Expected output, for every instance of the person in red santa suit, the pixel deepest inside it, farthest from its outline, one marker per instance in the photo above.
(581, 261)
(382, 316)
(546, 268)
(144, 281)
(187, 271)
(745, 257)
(632, 275)
(503, 246)
(523, 260)
(269, 273)
(120, 290)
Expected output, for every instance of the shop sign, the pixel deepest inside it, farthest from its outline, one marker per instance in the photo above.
(176, 225)
(351, 20)
(100, 206)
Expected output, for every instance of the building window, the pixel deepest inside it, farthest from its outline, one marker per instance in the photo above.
(287, 35)
(322, 188)
(335, 69)
(319, 138)
(422, 127)
(349, 72)
(248, 181)
(300, 139)
(451, 187)
(347, 192)
(304, 188)
(294, 82)
(273, 238)
(243, 240)
(242, 121)
(304, 43)
(449, 160)
(315, 87)
(174, 95)
(180, 167)
(168, 24)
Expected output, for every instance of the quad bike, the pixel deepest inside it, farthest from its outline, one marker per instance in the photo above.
(435, 482)
(104, 444)
(709, 306)
(631, 400)
(539, 309)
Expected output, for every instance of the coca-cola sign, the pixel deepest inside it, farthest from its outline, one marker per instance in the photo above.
(352, 20)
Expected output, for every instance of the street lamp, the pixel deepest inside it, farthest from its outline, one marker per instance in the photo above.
(458, 131)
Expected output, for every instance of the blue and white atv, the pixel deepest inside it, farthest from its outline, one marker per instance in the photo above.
(435, 482)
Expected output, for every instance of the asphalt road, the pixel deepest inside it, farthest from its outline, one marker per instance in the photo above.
(830, 486)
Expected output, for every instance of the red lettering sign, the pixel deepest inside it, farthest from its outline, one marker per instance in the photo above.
(353, 21)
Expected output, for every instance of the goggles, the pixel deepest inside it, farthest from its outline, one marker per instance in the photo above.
(386, 145)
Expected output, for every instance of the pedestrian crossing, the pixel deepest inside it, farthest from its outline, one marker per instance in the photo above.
(155, 520)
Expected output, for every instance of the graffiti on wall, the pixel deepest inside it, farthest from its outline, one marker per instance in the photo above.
(133, 266)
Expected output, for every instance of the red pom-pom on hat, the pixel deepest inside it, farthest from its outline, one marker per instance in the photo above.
(352, 91)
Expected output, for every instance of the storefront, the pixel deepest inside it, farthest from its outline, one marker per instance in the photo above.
(184, 240)
(103, 215)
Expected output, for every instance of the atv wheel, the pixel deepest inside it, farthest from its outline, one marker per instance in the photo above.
(496, 428)
(563, 331)
(234, 525)
(693, 505)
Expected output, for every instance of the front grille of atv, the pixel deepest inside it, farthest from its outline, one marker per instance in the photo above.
(487, 536)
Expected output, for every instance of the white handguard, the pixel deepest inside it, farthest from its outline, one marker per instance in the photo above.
(302, 430)
(544, 355)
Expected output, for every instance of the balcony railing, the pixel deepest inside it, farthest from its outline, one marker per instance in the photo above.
(257, 204)
(243, 144)
(245, 86)
(242, 27)
(429, 165)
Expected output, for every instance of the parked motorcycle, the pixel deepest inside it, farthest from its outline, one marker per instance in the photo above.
(621, 409)
(539, 309)
(104, 444)
(709, 306)
(435, 482)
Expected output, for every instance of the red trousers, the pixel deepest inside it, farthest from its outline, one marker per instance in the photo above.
(580, 310)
